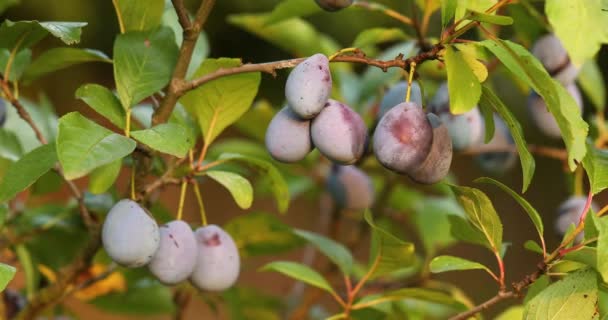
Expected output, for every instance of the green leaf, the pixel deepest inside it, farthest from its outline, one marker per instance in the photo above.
(278, 184)
(585, 255)
(25, 34)
(299, 272)
(532, 213)
(602, 245)
(375, 36)
(19, 62)
(247, 303)
(169, 138)
(83, 145)
(596, 166)
(573, 297)
(463, 85)
(221, 102)
(143, 63)
(27, 170)
(102, 100)
(6, 275)
(448, 9)
(138, 15)
(336, 252)
(271, 236)
(450, 263)
(481, 214)
(512, 313)
(462, 230)
(390, 252)
(239, 187)
(537, 287)
(591, 31)
(592, 82)
(10, 148)
(489, 18)
(5, 4)
(292, 8)
(559, 102)
(528, 165)
(32, 275)
(432, 221)
(255, 121)
(487, 111)
(102, 178)
(61, 58)
(422, 294)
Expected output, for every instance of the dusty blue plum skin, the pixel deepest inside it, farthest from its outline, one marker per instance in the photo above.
(333, 5)
(437, 164)
(396, 95)
(543, 119)
(467, 129)
(309, 86)
(129, 235)
(350, 187)
(549, 50)
(218, 263)
(176, 256)
(569, 212)
(2, 112)
(339, 133)
(403, 138)
(498, 162)
(288, 137)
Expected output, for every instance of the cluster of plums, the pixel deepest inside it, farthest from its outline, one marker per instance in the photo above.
(569, 213)
(551, 53)
(173, 252)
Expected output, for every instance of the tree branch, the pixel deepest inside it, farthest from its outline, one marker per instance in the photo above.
(182, 14)
(494, 300)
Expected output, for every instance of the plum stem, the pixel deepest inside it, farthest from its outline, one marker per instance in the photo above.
(199, 199)
(409, 81)
(343, 51)
(182, 198)
(133, 182)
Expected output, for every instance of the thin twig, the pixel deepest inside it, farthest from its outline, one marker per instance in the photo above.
(182, 14)
(494, 300)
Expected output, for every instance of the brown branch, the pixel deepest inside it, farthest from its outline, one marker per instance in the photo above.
(182, 14)
(494, 300)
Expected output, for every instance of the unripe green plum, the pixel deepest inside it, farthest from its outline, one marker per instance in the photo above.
(288, 137)
(308, 86)
(396, 95)
(218, 263)
(437, 163)
(129, 235)
(176, 255)
(2, 112)
(552, 54)
(498, 162)
(569, 212)
(544, 119)
(333, 5)
(403, 138)
(350, 187)
(466, 130)
(339, 133)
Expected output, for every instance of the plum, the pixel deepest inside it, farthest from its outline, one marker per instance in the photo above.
(466, 130)
(333, 5)
(129, 235)
(218, 263)
(498, 162)
(552, 54)
(308, 86)
(350, 187)
(176, 255)
(437, 163)
(396, 94)
(403, 138)
(569, 212)
(339, 133)
(288, 137)
(544, 119)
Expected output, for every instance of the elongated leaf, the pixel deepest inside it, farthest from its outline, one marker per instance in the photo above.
(462, 230)
(32, 275)
(378, 35)
(489, 18)
(292, 8)
(61, 58)
(481, 214)
(596, 166)
(601, 224)
(102, 178)
(220, 103)
(573, 297)
(169, 138)
(271, 236)
(27, 33)
(19, 62)
(299, 272)
(102, 100)
(532, 213)
(422, 294)
(463, 7)
(450, 263)
(463, 85)
(83, 145)
(239, 187)
(138, 15)
(336, 252)
(6, 275)
(10, 148)
(143, 63)
(448, 9)
(27, 170)
(592, 82)
(278, 184)
(390, 252)
(561, 104)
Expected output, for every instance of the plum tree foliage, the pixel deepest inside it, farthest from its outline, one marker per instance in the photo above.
(369, 132)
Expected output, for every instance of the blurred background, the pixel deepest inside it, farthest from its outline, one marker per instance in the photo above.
(551, 184)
